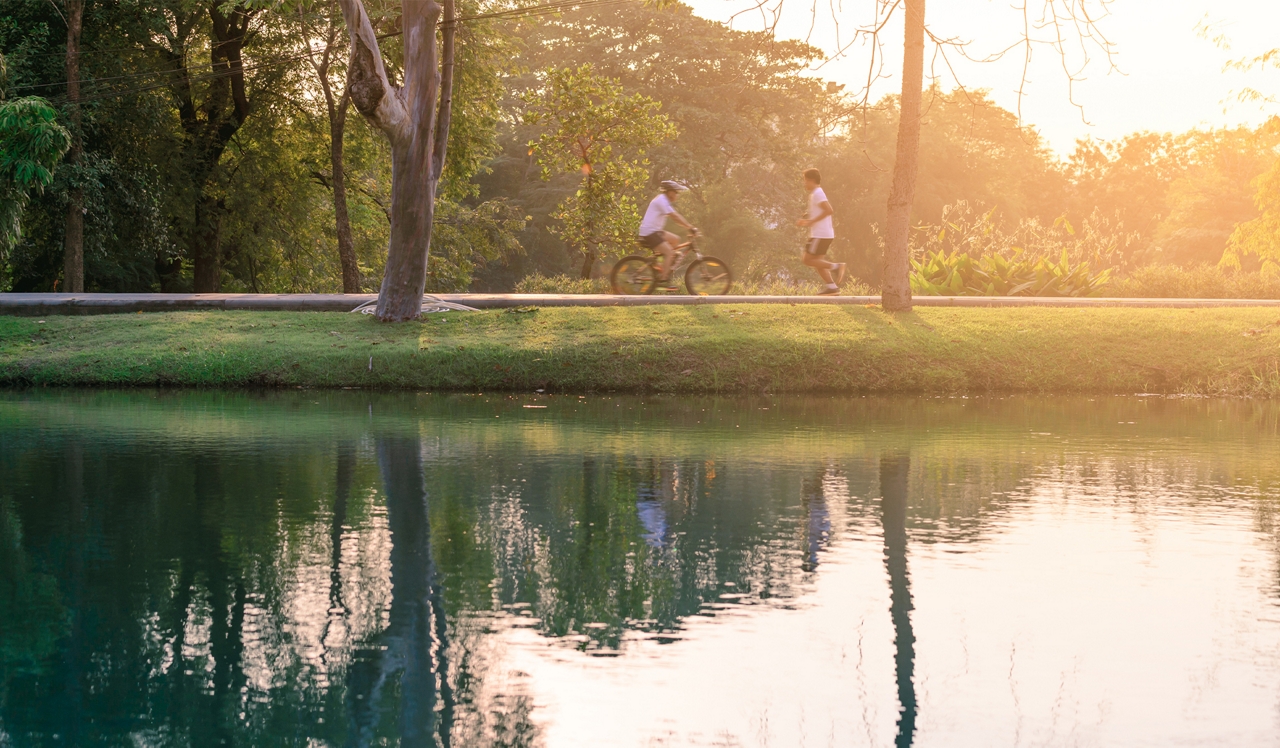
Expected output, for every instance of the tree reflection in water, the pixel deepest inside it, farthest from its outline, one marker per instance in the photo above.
(413, 647)
(356, 584)
(895, 469)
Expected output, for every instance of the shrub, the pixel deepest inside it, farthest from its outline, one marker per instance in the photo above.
(1099, 241)
(1199, 282)
(538, 283)
(942, 273)
(792, 287)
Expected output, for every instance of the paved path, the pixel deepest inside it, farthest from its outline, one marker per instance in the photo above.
(106, 303)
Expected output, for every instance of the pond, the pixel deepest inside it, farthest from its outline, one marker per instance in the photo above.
(349, 568)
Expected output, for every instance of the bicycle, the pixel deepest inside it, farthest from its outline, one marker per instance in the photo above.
(704, 276)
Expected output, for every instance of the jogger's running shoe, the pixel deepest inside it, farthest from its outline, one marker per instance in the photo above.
(829, 291)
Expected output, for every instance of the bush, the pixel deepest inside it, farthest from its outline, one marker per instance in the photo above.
(780, 287)
(942, 273)
(1099, 241)
(1199, 282)
(539, 283)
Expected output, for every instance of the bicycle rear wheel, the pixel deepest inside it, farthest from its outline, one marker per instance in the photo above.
(634, 275)
(708, 276)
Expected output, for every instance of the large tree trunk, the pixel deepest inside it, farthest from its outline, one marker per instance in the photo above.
(206, 245)
(209, 128)
(896, 291)
(73, 241)
(415, 119)
(413, 203)
(346, 246)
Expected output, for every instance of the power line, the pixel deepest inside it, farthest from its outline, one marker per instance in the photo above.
(131, 76)
(523, 12)
(214, 75)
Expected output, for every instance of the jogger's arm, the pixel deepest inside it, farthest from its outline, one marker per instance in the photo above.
(824, 210)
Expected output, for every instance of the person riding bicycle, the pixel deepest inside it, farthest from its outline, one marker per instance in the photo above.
(653, 233)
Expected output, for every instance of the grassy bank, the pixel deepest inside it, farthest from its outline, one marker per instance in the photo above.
(748, 348)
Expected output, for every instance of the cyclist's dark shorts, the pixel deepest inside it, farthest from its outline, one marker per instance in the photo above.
(653, 240)
(818, 246)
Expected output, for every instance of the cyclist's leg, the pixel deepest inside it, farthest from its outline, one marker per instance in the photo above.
(668, 251)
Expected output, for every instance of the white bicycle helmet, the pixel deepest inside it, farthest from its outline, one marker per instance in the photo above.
(671, 184)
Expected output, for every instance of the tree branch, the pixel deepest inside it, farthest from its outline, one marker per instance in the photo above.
(367, 82)
(444, 114)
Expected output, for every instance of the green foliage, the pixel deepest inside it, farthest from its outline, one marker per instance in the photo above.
(1260, 236)
(1182, 195)
(971, 151)
(773, 286)
(734, 113)
(1197, 282)
(1098, 240)
(466, 237)
(971, 254)
(539, 283)
(941, 273)
(269, 188)
(31, 143)
(748, 122)
(589, 124)
(802, 287)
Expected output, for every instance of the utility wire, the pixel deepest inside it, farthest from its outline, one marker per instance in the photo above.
(526, 12)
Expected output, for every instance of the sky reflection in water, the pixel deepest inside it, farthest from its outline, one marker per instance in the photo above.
(365, 569)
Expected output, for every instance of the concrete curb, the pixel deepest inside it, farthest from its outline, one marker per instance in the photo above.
(37, 304)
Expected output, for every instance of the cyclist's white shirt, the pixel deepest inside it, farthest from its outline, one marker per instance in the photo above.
(823, 229)
(655, 218)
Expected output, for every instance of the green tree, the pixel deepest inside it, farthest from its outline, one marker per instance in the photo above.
(1070, 25)
(971, 151)
(591, 125)
(31, 142)
(1259, 237)
(1215, 194)
(748, 123)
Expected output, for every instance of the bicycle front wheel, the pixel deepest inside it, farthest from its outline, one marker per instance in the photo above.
(708, 276)
(633, 275)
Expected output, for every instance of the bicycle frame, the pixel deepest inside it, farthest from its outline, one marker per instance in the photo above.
(685, 251)
(641, 273)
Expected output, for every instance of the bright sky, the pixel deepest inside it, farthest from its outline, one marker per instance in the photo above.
(1171, 79)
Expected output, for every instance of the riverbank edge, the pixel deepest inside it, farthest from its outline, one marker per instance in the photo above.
(726, 348)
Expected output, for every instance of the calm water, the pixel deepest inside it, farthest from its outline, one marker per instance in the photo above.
(333, 569)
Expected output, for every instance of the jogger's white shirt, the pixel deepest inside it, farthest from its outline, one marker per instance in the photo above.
(655, 218)
(823, 229)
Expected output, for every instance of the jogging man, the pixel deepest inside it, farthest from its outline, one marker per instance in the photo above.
(653, 229)
(821, 233)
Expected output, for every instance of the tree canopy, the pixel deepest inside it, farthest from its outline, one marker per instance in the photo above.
(208, 153)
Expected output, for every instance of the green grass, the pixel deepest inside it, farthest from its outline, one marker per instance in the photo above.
(744, 348)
